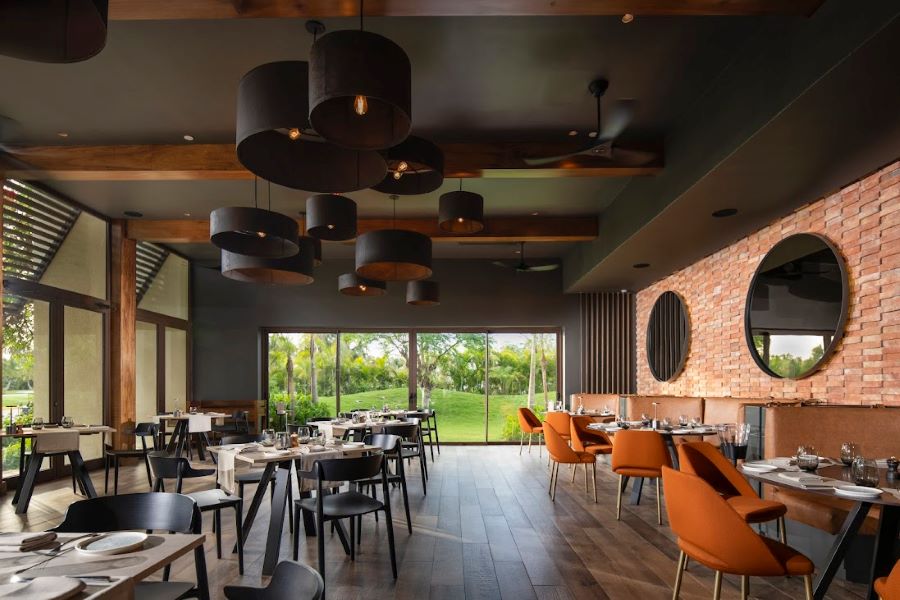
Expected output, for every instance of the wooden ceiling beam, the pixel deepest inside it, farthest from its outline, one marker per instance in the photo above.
(128, 10)
(497, 229)
(167, 162)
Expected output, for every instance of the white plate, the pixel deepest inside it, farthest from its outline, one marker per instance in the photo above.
(113, 543)
(759, 467)
(857, 491)
(353, 444)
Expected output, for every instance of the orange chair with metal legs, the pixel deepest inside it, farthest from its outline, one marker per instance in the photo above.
(639, 454)
(560, 453)
(713, 534)
(530, 426)
(888, 588)
(560, 422)
(588, 440)
(706, 462)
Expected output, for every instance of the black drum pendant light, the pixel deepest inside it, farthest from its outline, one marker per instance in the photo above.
(253, 231)
(351, 284)
(331, 217)
(53, 31)
(461, 212)
(360, 90)
(274, 140)
(423, 293)
(415, 166)
(393, 254)
(293, 270)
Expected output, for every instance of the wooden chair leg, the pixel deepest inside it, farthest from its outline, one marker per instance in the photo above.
(239, 531)
(619, 499)
(105, 474)
(679, 573)
(717, 586)
(745, 587)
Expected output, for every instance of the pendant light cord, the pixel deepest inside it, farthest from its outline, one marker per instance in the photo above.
(255, 186)
(361, 14)
(270, 196)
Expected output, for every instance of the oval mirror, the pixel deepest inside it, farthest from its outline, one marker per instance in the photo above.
(796, 306)
(668, 337)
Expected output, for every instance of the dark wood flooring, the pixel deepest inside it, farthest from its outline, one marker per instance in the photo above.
(487, 529)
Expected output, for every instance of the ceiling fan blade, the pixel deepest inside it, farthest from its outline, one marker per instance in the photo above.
(540, 268)
(617, 120)
(500, 263)
(537, 162)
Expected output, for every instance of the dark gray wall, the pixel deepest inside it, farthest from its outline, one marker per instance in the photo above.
(227, 316)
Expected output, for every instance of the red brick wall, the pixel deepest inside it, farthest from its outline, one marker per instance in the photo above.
(863, 221)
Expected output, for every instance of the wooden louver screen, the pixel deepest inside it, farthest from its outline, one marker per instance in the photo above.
(150, 259)
(607, 343)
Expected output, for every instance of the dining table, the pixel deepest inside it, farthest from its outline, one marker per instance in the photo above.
(834, 475)
(185, 425)
(31, 468)
(337, 428)
(106, 577)
(279, 463)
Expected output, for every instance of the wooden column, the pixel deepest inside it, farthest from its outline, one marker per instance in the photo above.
(122, 314)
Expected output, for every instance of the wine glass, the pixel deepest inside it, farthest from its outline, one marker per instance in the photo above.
(849, 451)
(37, 423)
(865, 471)
(303, 435)
(682, 420)
(282, 440)
(645, 419)
(268, 437)
(67, 422)
(807, 458)
(696, 422)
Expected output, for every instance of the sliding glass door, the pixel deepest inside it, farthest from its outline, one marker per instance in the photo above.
(374, 370)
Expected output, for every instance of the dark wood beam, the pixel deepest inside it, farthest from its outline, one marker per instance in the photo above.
(122, 333)
(497, 230)
(166, 162)
(225, 9)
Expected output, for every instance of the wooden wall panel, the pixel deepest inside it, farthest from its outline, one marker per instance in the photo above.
(607, 343)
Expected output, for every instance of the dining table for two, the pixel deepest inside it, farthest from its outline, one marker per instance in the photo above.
(187, 424)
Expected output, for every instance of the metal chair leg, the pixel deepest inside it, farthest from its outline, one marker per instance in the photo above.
(679, 573)
(808, 587)
(522, 442)
(619, 500)
(717, 586)
(658, 501)
(782, 530)
(745, 587)
(594, 477)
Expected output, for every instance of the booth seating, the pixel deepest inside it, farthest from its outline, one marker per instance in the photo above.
(875, 430)
(669, 406)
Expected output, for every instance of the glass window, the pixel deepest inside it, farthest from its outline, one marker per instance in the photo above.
(83, 373)
(145, 372)
(167, 290)
(26, 370)
(302, 375)
(374, 370)
(176, 369)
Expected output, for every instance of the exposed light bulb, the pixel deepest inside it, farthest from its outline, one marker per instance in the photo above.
(403, 166)
(398, 174)
(330, 226)
(294, 133)
(627, 18)
(460, 220)
(362, 288)
(360, 105)
(261, 234)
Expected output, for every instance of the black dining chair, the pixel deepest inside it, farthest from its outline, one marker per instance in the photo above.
(424, 417)
(112, 455)
(237, 424)
(174, 513)
(345, 505)
(391, 446)
(412, 444)
(290, 581)
(215, 500)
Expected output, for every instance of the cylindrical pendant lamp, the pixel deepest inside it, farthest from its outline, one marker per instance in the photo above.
(331, 217)
(294, 270)
(253, 232)
(351, 284)
(360, 91)
(415, 166)
(53, 31)
(461, 212)
(423, 293)
(393, 255)
(275, 142)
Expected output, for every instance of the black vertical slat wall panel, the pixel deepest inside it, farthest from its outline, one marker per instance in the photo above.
(607, 343)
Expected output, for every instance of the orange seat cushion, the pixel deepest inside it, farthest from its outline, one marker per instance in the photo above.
(537, 429)
(756, 510)
(598, 449)
(633, 472)
(791, 561)
(794, 562)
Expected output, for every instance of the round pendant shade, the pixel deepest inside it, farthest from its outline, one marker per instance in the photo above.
(351, 284)
(331, 217)
(423, 293)
(53, 31)
(461, 212)
(359, 90)
(253, 232)
(274, 140)
(294, 270)
(415, 166)
(393, 255)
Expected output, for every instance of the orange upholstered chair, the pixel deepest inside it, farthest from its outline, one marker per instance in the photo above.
(588, 440)
(888, 588)
(639, 454)
(530, 425)
(560, 421)
(561, 453)
(706, 462)
(712, 533)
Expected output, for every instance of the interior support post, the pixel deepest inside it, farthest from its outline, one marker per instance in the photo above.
(123, 310)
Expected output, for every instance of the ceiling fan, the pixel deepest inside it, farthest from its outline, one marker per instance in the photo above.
(524, 267)
(603, 143)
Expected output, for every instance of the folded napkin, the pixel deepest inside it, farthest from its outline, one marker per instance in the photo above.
(225, 470)
(26, 542)
(307, 459)
(808, 480)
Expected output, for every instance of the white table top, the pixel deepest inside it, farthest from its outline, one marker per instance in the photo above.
(186, 415)
(703, 430)
(81, 429)
(270, 456)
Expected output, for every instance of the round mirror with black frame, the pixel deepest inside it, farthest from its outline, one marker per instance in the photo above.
(668, 337)
(797, 306)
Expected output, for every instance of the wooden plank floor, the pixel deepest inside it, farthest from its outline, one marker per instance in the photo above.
(486, 529)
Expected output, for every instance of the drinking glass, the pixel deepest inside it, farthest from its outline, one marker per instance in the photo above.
(865, 471)
(67, 422)
(268, 437)
(645, 419)
(683, 420)
(37, 423)
(807, 458)
(666, 423)
(303, 435)
(849, 451)
(696, 422)
(282, 440)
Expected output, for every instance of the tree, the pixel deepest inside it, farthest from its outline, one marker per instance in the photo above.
(544, 363)
(531, 375)
(313, 380)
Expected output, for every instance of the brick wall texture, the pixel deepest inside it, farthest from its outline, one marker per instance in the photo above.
(863, 221)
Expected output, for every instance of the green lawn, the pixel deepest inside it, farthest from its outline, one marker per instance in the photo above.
(460, 414)
(16, 397)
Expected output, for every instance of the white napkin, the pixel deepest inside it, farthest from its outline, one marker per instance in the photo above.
(26, 542)
(225, 470)
(307, 459)
(808, 480)
(199, 423)
(326, 428)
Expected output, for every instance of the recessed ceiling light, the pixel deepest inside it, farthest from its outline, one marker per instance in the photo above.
(188, 138)
(627, 18)
(573, 133)
(725, 212)
(63, 134)
(624, 291)
(133, 214)
(641, 265)
(592, 134)
(535, 213)
(187, 214)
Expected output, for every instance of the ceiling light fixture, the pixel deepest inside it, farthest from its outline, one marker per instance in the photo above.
(63, 134)
(331, 217)
(360, 90)
(253, 231)
(188, 138)
(317, 249)
(725, 212)
(62, 31)
(415, 166)
(293, 270)
(351, 284)
(393, 254)
(461, 212)
(627, 18)
(423, 293)
(573, 133)
(275, 142)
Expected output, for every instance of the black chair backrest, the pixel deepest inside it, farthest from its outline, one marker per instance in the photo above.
(291, 581)
(389, 444)
(246, 438)
(166, 466)
(148, 511)
(408, 431)
(143, 429)
(348, 469)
